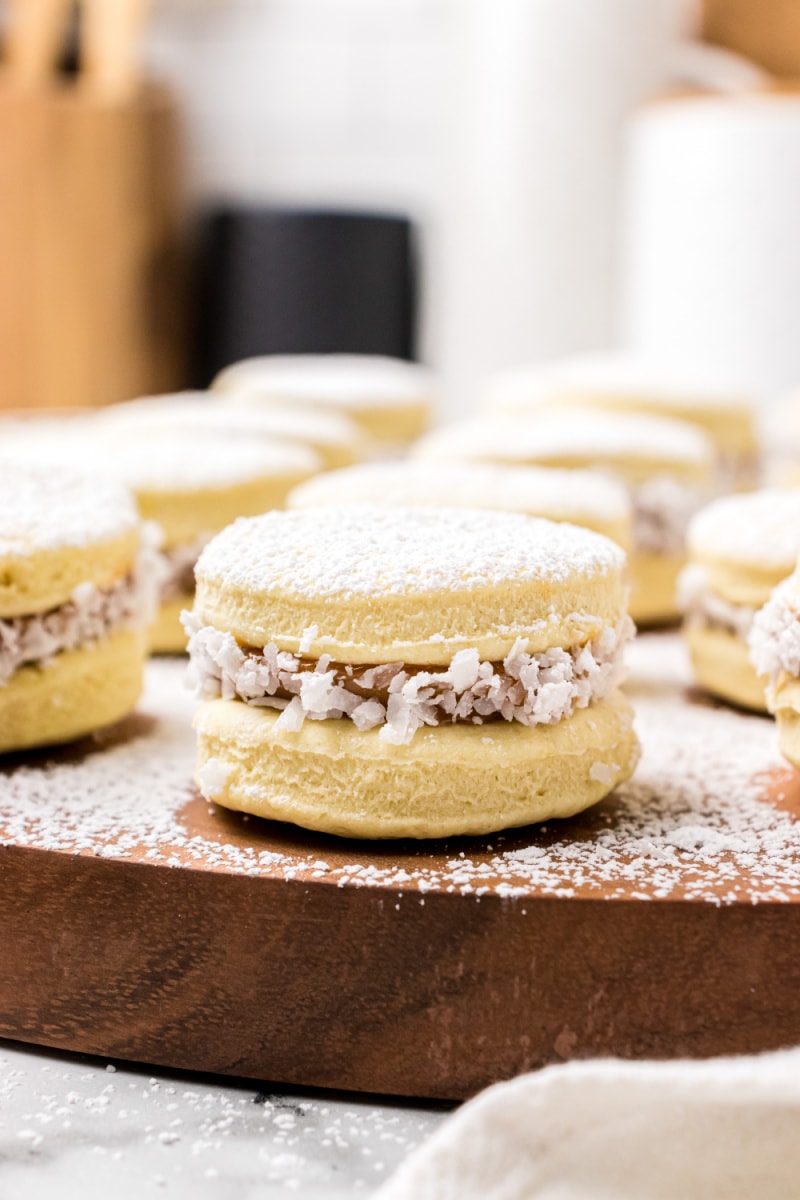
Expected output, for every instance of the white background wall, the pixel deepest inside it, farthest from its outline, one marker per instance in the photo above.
(332, 101)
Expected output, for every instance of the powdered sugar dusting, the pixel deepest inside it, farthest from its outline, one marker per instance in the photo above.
(207, 411)
(45, 509)
(755, 529)
(174, 461)
(369, 551)
(711, 814)
(546, 492)
(347, 381)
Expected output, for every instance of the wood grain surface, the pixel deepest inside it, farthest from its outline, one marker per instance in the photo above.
(225, 944)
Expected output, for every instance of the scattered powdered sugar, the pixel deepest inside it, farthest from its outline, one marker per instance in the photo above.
(712, 813)
(533, 689)
(119, 1129)
(347, 381)
(597, 437)
(42, 508)
(774, 638)
(545, 492)
(703, 608)
(753, 529)
(372, 551)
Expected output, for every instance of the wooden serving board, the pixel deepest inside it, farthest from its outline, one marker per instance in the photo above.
(138, 922)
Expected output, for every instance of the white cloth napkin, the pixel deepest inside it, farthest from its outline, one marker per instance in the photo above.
(609, 1130)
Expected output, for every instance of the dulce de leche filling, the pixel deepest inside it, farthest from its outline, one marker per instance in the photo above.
(533, 689)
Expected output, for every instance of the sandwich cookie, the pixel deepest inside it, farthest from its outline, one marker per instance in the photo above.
(774, 641)
(189, 485)
(584, 498)
(667, 467)
(740, 548)
(395, 672)
(389, 398)
(617, 382)
(333, 436)
(77, 587)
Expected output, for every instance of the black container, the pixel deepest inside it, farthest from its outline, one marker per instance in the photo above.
(290, 281)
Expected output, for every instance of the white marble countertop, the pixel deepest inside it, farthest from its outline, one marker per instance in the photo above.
(80, 1128)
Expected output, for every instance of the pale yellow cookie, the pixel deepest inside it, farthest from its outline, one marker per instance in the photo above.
(399, 672)
(333, 436)
(389, 398)
(667, 467)
(584, 498)
(615, 381)
(190, 485)
(740, 548)
(76, 591)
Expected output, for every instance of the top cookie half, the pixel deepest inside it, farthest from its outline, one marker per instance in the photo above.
(378, 585)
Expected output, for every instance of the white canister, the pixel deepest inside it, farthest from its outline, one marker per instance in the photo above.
(527, 245)
(712, 238)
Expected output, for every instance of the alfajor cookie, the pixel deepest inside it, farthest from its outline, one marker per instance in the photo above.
(618, 382)
(389, 398)
(774, 641)
(189, 485)
(393, 672)
(333, 436)
(76, 590)
(584, 498)
(667, 467)
(740, 548)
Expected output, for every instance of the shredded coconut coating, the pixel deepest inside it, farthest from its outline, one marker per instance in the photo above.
(558, 494)
(348, 381)
(43, 508)
(533, 689)
(662, 510)
(774, 639)
(90, 614)
(703, 608)
(597, 437)
(371, 551)
(756, 530)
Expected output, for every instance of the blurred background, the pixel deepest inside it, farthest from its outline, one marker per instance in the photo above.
(474, 183)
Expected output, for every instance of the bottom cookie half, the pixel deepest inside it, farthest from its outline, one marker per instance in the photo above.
(722, 666)
(76, 693)
(450, 780)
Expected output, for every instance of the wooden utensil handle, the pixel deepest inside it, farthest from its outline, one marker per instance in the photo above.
(110, 37)
(35, 30)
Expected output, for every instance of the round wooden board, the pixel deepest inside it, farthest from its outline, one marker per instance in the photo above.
(138, 922)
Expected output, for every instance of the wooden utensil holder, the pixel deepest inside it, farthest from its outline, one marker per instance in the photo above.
(91, 231)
